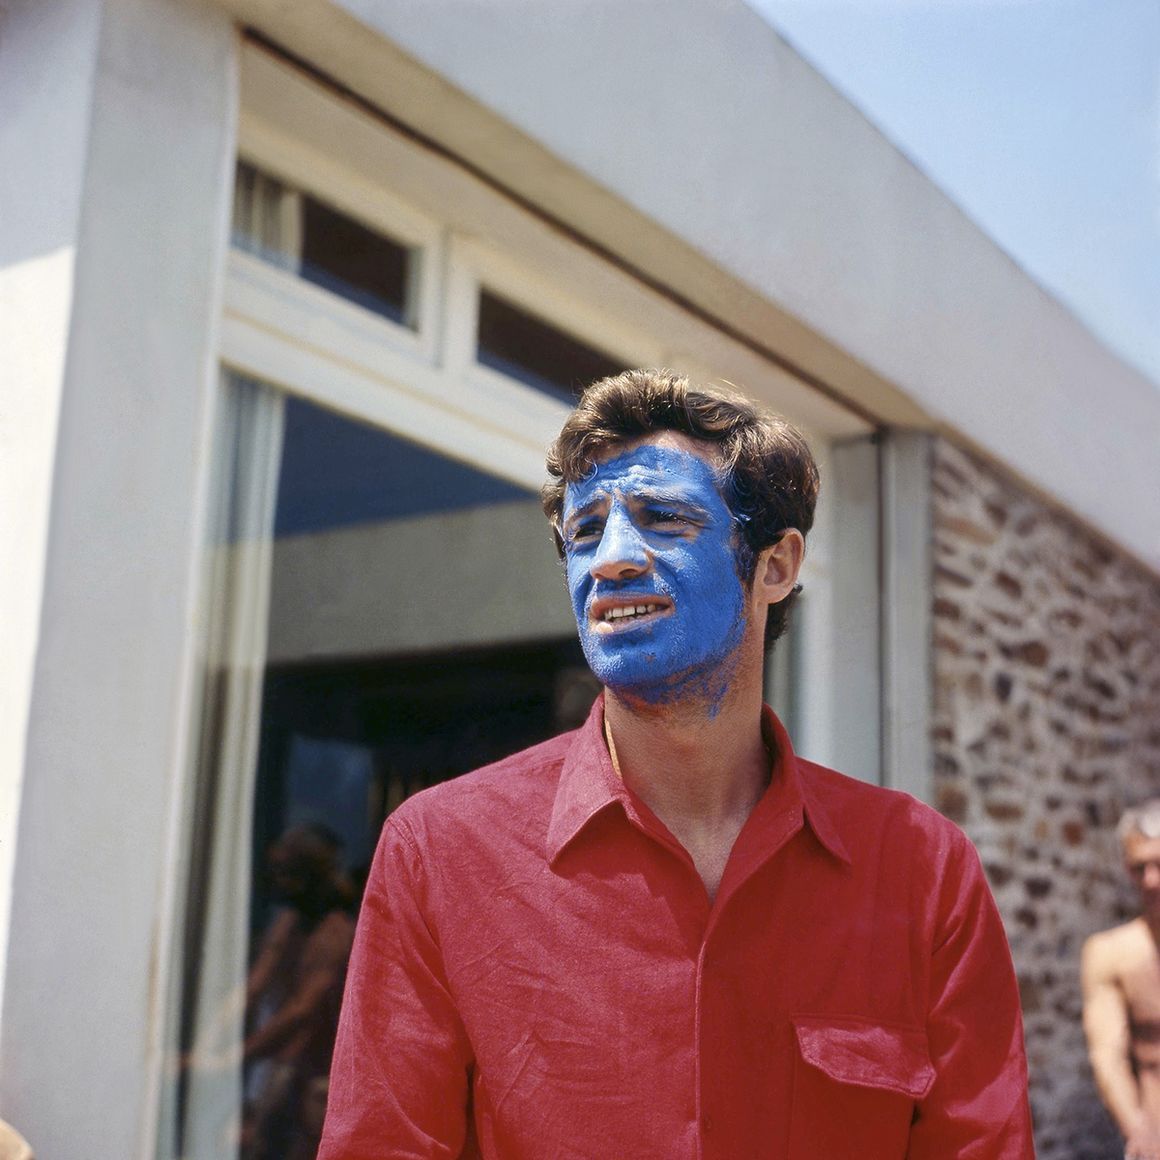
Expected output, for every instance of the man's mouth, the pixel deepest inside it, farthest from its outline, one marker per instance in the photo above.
(611, 615)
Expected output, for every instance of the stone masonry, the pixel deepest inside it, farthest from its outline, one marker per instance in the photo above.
(1046, 724)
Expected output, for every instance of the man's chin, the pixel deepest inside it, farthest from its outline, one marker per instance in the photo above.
(621, 675)
(654, 685)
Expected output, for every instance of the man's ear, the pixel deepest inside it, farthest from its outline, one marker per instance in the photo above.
(778, 567)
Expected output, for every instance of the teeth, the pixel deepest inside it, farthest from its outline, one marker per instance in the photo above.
(621, 611)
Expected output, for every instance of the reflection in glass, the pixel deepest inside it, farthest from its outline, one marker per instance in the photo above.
(378, 618)
(293, 994)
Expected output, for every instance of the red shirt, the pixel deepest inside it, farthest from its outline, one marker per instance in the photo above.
(538, 973)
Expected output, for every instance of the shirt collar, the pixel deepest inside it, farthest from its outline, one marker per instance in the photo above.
(791, 789)
(588, 784)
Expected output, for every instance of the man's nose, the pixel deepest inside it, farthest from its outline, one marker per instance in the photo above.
(622, 553)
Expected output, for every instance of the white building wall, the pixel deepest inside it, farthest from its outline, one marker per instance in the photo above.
(43, 134)
(126, 110)
(814, 233)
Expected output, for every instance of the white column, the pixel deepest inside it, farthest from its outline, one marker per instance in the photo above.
(117, 150)
(906, 608)
(43, 135)
(856, 608)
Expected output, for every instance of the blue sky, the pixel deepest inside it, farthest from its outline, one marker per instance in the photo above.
(1040, 118)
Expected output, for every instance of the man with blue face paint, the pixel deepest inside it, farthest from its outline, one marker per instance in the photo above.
(666, 935)
(653, 575)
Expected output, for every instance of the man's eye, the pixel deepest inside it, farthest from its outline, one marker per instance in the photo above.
(588, 533)
(667, 520)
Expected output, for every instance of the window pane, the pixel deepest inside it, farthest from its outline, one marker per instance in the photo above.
(291, 229)
(350, 260)
(526, 348)
(381, 618)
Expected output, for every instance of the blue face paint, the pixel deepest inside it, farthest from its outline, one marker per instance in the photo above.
(652, 573)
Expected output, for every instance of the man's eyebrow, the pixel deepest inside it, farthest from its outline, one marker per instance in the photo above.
(669, 497)
(675, 497)
(584, 509)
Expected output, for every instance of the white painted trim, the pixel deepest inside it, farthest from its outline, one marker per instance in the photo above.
(906, 612)
(817, 659)
(402, 398)
(855, 609)
(281, 154)
(281, 301)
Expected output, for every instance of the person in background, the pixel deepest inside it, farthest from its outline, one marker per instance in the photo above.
(13, 1146)
(293, 992)
(1120, 971)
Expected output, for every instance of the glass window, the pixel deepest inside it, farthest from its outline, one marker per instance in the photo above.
(379, 618)
(324, 246)
(525, 347)
(354, 262)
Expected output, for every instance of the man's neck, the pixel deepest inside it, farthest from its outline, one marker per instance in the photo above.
(700, 772)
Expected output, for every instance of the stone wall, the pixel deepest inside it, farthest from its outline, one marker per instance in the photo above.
(1046, 724)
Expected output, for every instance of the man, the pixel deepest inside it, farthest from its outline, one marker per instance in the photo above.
(665, 935)
(1121, 995)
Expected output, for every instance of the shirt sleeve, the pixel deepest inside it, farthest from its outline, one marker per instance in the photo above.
(977, 1108)
(399, 1083)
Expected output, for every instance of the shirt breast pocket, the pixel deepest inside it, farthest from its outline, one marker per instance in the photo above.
(855, 1086)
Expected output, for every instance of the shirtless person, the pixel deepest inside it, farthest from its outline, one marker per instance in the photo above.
(292, 996)
(1121, 995)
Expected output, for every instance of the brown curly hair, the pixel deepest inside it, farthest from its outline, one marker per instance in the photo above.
(768, 475)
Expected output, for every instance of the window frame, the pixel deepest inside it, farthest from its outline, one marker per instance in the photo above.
(472, 234)
(475, 268)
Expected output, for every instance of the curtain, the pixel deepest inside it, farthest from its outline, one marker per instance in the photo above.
(202, 1099)
(267, 218)
(235, 620)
